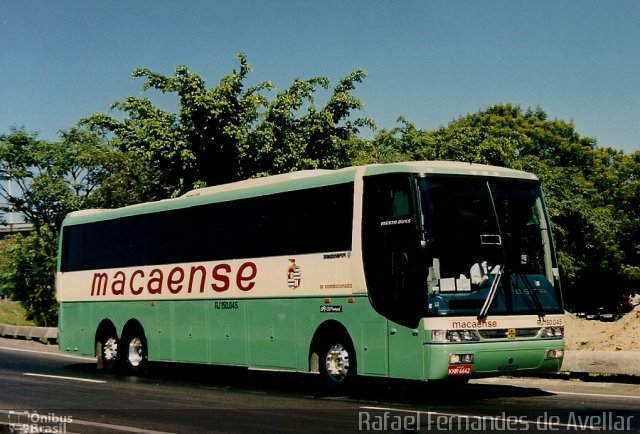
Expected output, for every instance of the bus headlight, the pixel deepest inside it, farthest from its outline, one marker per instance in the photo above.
(552, 332)
(554, 354)
(454, 336)
(439, 335)
(459, 359)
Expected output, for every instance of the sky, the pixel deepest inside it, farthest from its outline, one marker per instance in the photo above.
(428, 61)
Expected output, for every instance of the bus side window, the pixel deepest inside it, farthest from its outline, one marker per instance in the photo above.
(400, 205)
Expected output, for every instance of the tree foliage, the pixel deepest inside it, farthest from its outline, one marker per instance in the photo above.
(43, 181)
(27, 267)
(232, 131)
(294, 135)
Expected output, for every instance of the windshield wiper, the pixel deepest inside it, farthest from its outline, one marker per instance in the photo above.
(492, 293)
(498, 270)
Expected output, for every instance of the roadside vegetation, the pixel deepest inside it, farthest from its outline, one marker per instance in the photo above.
(137, 151)
(12, 313)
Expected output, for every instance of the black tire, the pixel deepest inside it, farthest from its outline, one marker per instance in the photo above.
(107, 350)
(133, 352)
(337, 361)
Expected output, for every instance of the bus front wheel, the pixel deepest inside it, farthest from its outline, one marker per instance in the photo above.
(337, 362)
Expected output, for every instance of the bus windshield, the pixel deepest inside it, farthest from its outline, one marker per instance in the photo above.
(488, 247)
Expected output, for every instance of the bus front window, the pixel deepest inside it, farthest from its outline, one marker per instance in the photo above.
(488, 247)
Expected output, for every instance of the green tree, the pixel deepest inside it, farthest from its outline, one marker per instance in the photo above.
(27, 267)
(231, 132)
(402, 143)
(294, 135)
(588, 236)
(459, 141)
(43, 181)
(616, 178)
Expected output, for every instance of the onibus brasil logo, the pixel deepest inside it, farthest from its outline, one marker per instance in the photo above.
(21, 421)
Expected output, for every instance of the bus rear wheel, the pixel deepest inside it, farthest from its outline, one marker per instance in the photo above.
(134, 350)
(107, 351)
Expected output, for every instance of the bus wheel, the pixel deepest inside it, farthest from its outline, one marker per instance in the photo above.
(134, 350)
(338, 363)
(107, 350)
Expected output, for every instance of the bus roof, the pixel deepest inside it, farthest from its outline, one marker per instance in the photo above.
(447, 167)
(293, 181)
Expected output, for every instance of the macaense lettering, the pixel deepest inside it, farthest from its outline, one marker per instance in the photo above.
(177, 280)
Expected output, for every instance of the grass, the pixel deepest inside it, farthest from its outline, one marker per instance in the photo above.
(11, 312)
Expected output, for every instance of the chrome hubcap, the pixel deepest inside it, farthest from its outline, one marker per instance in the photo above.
(337, 363)
(136, 354)
(110, 349)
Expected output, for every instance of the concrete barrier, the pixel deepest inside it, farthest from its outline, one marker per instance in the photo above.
(48, 334)
(602, 362)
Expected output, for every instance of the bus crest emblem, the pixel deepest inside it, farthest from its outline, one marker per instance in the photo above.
(293, 275)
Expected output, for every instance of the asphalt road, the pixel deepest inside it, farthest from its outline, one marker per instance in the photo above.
(42, 389)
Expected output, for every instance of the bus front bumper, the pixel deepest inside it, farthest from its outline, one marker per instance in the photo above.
(490, 359)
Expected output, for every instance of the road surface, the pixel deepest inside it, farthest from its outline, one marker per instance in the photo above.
(43, 389)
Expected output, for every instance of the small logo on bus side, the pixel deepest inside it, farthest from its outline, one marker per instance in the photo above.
(293, 275)
(330, 309)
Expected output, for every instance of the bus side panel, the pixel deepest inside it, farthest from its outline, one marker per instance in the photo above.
(75, 333)
(373, 360)
(227, 332)
(271, 334)
(306, 323)
(406, 352)
(190, 339)
(158, 329)
(175, 330)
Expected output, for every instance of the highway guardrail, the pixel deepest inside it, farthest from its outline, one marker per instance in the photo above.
(47, 334)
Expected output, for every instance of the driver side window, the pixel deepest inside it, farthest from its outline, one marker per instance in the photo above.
(390, 245)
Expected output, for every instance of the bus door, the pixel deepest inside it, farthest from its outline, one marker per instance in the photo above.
(391, 243)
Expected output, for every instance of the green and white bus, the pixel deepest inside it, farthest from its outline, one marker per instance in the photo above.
(417, 270)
